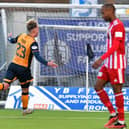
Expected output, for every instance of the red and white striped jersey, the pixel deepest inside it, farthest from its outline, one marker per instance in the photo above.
(115, 55)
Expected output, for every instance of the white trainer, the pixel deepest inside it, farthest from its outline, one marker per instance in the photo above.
(27, 112)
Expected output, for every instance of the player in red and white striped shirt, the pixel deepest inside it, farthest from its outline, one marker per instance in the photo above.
(114, 67)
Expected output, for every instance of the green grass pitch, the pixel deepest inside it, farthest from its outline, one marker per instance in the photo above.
(41, 119)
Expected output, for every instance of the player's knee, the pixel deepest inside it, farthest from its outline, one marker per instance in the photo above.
(6, 86)
(25, 90)
(97, 87)
(100, 84)
(117, 90)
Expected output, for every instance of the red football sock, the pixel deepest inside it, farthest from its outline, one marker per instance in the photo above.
(105, 100)
(120, 105)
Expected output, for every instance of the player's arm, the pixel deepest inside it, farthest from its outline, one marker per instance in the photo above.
(118, 36)
(11, 39)
(36, 53)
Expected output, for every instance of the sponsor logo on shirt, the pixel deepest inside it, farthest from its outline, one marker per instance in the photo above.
(100, 74)
(115, 80)
(118, 34)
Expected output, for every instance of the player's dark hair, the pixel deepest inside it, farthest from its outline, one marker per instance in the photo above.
(31, 24)
(110, 6)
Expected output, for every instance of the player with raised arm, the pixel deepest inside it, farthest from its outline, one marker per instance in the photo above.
(113, 69)
(26, 48)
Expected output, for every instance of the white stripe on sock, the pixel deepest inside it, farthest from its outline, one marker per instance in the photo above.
(99, 91)
(113, 114)
(121, 122)
(119, 94)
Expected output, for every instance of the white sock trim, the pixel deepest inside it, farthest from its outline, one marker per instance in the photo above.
(100, 91)
(113, 114)
(121, 122)
(119, 94)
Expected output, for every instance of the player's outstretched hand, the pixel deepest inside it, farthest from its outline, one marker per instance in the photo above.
(52, 64)
(9, 35)
(97, 63)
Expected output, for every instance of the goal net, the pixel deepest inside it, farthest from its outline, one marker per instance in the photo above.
(65, 35)
(67, 46)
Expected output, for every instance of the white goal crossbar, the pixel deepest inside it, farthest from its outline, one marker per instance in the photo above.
(67, 27)
(62, 6)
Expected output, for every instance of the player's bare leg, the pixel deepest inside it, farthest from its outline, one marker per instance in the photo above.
(25, 97)
(100, 84)
(117, 88)
(4, 86)
(25, 100)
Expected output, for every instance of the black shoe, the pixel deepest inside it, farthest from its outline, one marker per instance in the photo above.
(118, 125)
(112, 120)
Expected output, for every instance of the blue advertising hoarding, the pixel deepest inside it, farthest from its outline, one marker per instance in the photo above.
(62, 98)
(75, 98)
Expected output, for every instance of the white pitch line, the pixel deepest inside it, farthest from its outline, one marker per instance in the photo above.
(55, 118)
(83, 111)
(74, 118)
(14, 117)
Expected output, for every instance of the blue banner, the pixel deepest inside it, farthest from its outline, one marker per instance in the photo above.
(75, 98)
(62, 98)
(69, 47)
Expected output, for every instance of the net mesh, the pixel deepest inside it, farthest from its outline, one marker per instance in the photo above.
(67, 47)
